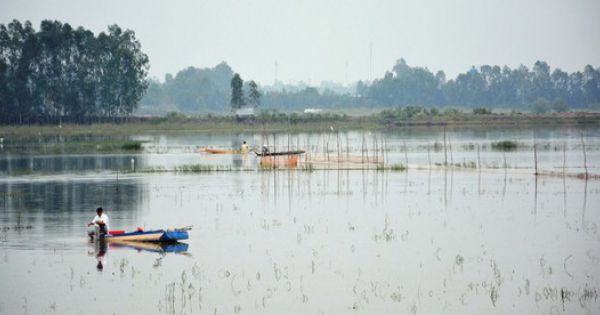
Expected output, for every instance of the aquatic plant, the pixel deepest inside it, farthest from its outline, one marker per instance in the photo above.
(308, 167)
(194, 168)
(398, 167)
(506, 145)
(132, 145)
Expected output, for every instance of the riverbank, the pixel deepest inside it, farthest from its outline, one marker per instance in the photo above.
(301, 122)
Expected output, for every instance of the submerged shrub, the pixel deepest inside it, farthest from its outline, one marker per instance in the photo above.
(132, 145)
(506, 145)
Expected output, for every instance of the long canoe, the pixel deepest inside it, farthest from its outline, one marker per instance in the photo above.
(221, 151)
(280, 153)
(150, 236)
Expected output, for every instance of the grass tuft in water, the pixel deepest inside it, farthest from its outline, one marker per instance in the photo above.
(195, 168)
(398, 167)
(132, 145)
(309, 167)
(506, 145)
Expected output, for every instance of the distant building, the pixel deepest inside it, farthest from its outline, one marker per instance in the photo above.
(245, 111)
(313, 111)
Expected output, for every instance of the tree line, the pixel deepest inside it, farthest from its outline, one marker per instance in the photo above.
(61, 73)
(539, 89)
(490, 86)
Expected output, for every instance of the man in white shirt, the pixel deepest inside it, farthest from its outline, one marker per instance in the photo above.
(100, 221)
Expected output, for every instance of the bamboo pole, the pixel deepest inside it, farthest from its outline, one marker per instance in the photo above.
(367, 150)
(429, 156)
(451, 154)
(478, 156)
(564, 159)
(405, 153)
(535, 157)
(327, 146)
(584, 156)
(338, 145)
(383, 149)
(362, 150)
(347, 148)
(376, 153)
(445, 150)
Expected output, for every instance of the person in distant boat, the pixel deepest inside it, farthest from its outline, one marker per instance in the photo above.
(244, 149)
(265, 150)
(100, 221)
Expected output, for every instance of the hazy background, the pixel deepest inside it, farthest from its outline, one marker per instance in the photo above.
(321, 40)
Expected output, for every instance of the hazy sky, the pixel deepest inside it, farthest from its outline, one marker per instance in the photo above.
(318, 40)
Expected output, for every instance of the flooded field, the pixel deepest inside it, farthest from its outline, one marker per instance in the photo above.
(448, 240)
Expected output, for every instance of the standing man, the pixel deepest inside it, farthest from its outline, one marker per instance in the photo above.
(100, 221)
(245, 148)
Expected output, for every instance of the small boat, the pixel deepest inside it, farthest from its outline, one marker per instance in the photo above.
(149, 236)
(220, 151)
(279, 161)
(280, 153)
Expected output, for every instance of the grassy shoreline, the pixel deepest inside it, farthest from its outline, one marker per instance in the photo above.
(144, 125)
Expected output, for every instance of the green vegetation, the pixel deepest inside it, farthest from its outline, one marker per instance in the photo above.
(60, 73)
(88, 146)
(492, 86)
(277, 121)
(253, 94)
(308, 167)
(480, 89)
(132, 145)
(505, 145)
(482, 111)
(195, 168)
(398, 167)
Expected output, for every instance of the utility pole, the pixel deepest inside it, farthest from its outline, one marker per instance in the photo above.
(371, 61)
(276, 66)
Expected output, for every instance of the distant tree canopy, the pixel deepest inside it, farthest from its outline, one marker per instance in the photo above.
(191, 90)
(539, 90)
(253, 94)
(487, 86)
(62, 73)
(309, 97)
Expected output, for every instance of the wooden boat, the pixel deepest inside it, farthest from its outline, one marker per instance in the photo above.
(171, 247)
(279, 161)
(279, 153)
(220, 151)
(149, 236)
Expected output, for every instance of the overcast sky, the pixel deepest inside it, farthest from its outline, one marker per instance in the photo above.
(321, 40)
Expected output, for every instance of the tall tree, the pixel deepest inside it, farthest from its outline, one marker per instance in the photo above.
(237, 95)
(254, 94)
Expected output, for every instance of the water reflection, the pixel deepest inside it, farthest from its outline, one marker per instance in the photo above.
(65, 205)
(162, 248)
(101, 247)
(99, 253)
